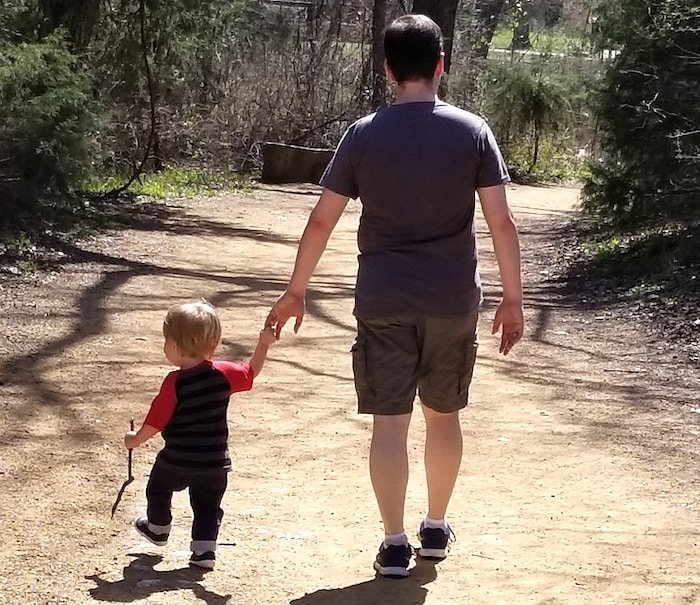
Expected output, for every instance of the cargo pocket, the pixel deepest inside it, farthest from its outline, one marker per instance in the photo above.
(360, 370)
(467, 372)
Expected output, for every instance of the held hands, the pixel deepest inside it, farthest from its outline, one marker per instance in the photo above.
(509, 318)
(288, 305)
(267, 337)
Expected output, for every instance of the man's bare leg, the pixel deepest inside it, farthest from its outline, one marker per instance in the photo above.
(443, 457)
(388, 467)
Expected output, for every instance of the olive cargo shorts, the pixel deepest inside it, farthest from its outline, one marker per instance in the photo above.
(393, 357)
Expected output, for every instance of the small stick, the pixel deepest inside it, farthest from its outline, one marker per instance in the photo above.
(131, 477)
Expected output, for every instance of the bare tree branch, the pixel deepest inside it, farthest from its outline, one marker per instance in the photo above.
(136, 174)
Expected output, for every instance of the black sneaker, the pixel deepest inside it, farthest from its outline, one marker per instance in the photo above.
(393, 560)
(206, 560)
(434, 542)
(141, 525)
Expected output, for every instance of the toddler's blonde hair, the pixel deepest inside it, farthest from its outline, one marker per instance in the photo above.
(194, 327)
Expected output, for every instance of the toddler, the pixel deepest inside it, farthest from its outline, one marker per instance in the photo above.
(190, 412)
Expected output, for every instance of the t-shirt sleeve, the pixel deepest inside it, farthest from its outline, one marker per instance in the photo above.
(239, 375)
(163, 405)
(492, 168)
(339, 175)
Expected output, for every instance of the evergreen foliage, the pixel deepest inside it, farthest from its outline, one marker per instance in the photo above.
(540, 106)
(525, 99)
(648, 110)
(47, 117)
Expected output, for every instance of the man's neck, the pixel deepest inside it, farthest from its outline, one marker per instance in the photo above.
(416, 92)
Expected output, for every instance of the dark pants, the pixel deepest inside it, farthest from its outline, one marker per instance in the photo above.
(206, 492)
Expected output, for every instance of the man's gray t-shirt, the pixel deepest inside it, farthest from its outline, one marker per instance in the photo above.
(415, 168)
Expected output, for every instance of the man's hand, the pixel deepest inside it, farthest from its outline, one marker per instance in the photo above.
(509, 318)
(288, 305)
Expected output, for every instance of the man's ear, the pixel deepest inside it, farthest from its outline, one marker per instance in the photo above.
(440, 67)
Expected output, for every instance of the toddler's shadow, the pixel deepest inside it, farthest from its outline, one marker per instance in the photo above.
(141, 580)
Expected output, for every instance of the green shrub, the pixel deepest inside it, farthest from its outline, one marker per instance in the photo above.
(556, 162)
(648, 110)
(526, 103)
(47, 117)
(538, 112)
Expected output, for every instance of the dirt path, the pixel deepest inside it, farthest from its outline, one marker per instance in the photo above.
(581, 450)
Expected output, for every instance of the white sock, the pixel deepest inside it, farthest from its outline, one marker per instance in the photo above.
(436, 523)
(399, 539)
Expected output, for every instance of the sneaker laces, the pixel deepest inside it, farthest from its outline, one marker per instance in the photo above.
(451, 536)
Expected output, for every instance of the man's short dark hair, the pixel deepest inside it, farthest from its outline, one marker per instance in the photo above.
(412, 47)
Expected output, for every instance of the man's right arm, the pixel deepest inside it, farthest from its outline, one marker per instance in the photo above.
(504, 234)
(319, 227)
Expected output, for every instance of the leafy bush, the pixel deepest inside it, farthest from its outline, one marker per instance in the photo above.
(46, 117)
(556, 163)
(538, 113)
(648, 110)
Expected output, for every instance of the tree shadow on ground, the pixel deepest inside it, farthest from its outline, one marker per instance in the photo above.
(379, 591)
(50, 242)
(651, 277)
(141, 580)
(92, 318)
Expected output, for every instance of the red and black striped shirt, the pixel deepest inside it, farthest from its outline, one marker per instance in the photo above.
(190, 411)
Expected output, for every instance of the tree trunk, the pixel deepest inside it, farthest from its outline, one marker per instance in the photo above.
(487, 13)
(535, 148)
(443, 12)
(79, 17)
(521, 34)
(378, 75)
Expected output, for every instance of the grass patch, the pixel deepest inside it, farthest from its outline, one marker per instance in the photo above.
(502, 38)
(649, 278)
(545, 41)
(654, 277)
(172, 182)
(34, 237)
(554, 165)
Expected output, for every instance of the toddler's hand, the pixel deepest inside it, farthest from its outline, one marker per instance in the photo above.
(267, 337)
(130, 440)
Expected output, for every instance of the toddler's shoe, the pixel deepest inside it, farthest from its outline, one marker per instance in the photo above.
(205, 560)
(144, 528)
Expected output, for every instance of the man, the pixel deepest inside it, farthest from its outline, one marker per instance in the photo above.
(415, 166)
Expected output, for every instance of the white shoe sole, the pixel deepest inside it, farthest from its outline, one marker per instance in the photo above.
(433, 553)
(207, 564)
(396, 572)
